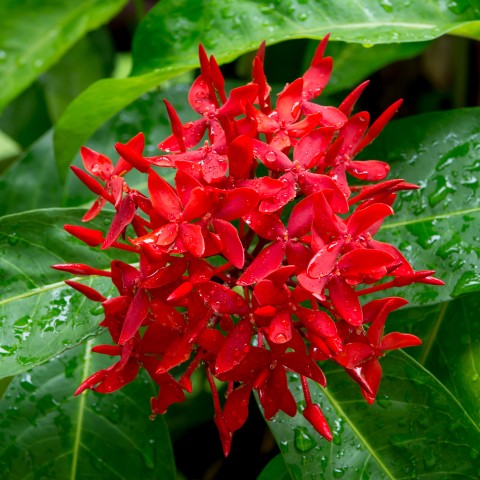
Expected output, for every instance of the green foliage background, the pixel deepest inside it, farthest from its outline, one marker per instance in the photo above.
(64, 85)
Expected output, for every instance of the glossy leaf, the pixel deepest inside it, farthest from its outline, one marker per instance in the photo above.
(451, 345)
(34, 35)
(435, 227)
(96, 105)
(416, 429)
(353, 63)
(47, 432)
(87, 61)
(367, 22)
(39, 315)
(166, 43)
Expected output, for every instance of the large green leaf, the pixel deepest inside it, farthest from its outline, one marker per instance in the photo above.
(46, 432)
(166, 43)
(436, 227)
(354, 62)
(417, 429)
(34, 34)
(229, 28)
(96, 105)
(451, 345)
(87, 61)
(39, 315)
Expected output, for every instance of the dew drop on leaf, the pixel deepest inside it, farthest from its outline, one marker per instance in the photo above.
(13, 239)
(303, 441)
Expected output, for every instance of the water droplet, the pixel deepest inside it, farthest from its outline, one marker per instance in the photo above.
(280, 338)
(13, 239)
(284, 446)
(386, 5)
(7, 350)
(270, 156)
(97, 309)
(458, 7)
(429, 458)
(27, 384)
(339, 472)
(468, 282)
(21, 328)
(384, 401)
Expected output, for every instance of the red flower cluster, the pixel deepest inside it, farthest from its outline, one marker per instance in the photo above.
(251, 264)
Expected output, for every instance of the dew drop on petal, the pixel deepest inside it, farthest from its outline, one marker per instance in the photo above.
(270, 156)
(280, 338)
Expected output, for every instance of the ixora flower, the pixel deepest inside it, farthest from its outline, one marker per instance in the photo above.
(254, 263)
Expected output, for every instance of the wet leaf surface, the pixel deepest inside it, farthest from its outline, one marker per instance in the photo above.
(436, 226)
(416, 429)
(451, 345)
(39, 315)
(46, 432)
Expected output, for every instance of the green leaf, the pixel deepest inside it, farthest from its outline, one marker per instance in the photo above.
(171, 32)
(166, 43)
(87, 61)
(4, 383)
(39, 315)
(451, 345)
(353, 63)
(416, 429)
(275, 470)
(35, 34)
(46, 432)
(96, 105)
(9, 150)
(435, 227)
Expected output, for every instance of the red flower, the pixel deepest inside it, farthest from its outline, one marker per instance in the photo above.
(254, 263)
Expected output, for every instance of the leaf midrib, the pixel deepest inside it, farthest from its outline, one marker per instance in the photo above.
(430, 218)
(80, 413)
(359, 435)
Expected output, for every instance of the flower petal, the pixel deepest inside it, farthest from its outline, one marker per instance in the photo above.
(136, 314)
(310, 148)
(269, 259)
(232, 246)
(345, 301)
(222, 299)
(192, 238)
(235, 347)
(164, 198)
